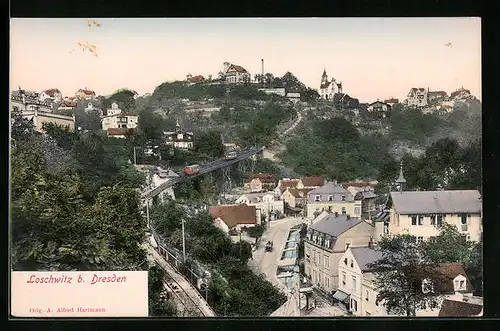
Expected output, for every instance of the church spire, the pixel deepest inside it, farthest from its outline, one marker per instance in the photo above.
(401, 180)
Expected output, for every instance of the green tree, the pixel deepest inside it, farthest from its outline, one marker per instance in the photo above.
(151, 125)
(160, 304)
(209, 144)
(404, 276)
(309, 95)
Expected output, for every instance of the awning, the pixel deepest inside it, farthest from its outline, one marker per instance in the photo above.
(341, 296)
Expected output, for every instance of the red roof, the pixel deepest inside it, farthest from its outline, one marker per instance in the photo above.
(457, 92)
(233, 215)
(313, 181)
(51, 92)
(119, 131)
(87, 92)
(196, 79)
(69, 103)
(289, 183)
(237, 68)
(264, 178)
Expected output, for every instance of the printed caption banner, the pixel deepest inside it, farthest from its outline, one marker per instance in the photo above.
(79, 294)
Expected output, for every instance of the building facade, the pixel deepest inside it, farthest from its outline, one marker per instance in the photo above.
(259, 182)
(327, 88)
(116, 119)
(332, 198)
(417, 97)
(85, 94)
(235, 74)
(53, 94)
(267, 204)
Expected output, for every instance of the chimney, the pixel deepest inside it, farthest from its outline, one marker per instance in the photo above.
(262, 63)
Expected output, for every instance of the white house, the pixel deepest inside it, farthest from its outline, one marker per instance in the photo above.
(90, 109)
(116, 119)
(379, 107)
(294, 97)
(53, 94)
(327, 88)
(266, 203)
(417, 97)
(237, 217)
(179, 138)
(85, 94)
(419, 213)
(235, 74)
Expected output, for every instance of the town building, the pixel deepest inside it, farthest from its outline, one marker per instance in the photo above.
(453, 284)
(436, 97)
(358, 186)
(67, 104)
(259, 182)
(235, 74)
(417, 97)
(190, 79)
(285, 183)
(380, 108)
(85, 94)
(327, 88)
(53, 95)
(179, 138)
(326, 241)
(267, 204)
(352, 265)
(311, 182)
(420, 213)
(39, 117)
(234, 217)
(333, 198)
(460, 94)
(295, 200)
(117, 123)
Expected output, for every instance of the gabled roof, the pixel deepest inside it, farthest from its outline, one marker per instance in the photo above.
(264, 178)
(299, 192)
(457, 92)
(313, 181)
(51, 92)
(438, 202)
(335, 226)
(291, 183)
(237, 68)
(453, 308)
(87, 92)
(196, 79)
(365, 255)
(449, 271)
(335, 189)
(233, 215)
(392, 100)
(379, 102)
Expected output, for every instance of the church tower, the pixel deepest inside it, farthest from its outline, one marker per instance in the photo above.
(324, 78)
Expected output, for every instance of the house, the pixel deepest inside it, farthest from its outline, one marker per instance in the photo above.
(368, 206)
(359, 186)
(460, 94)
(116, 119)
(119, 132)
(326, 241)
(334, 198)
(39, 117)
(464, 307)
(53, 94)
(259, 182)
(295, 197)
(91, 109)
(238, 217)
(266, 203)
(352, 265)
(294, 97)
(379, 107)
(179, 138)
(419, 213)
(194, 79)
(452, 284)
(311, 182)
(235, 74)
(85, 94)
(437, 96)
(391, 102)
(67, 105)
(417, 97)
(160, 176)
(327, 88)
(285, 183)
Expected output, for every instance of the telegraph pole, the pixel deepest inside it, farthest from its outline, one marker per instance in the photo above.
(147, 213)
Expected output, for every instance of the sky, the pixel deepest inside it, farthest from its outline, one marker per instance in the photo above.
(374, 58)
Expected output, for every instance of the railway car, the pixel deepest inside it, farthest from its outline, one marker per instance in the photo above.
(231, 155)
(192, 169)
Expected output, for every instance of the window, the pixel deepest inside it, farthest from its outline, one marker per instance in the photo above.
(420, 220)
(327, 282)
(352, 264)
(345, 261)
(357, 210)
(347, 244)
(343, 211)
(354, 282)
(439, 220)
(354, 305)
(367, 295)
(343, 278)
(462, 284)
(420, 239)
(330, 197)
(343, 197)
(463, 221)
(317, 198)
(414, 220)
(314, 257)
(433, 219)
(326, 261)
(330, 209)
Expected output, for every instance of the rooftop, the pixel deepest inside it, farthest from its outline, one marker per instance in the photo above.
(365, 255)
(233, 215)
(335, 226)
(454, 308)
(439, 202)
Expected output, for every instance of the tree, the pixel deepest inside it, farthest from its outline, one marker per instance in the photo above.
(159, 303)
(256, 231)
(209, 144)
(151, 125)
(309, 95)
(405, 276)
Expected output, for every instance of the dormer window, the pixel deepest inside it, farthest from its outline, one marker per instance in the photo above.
(352, 264)
(330, 197)
(462, 285)
(343, 197)
(317, 197)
